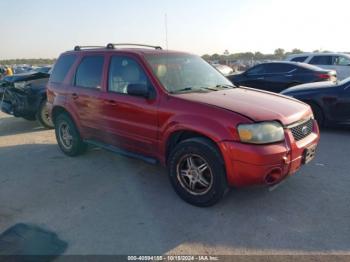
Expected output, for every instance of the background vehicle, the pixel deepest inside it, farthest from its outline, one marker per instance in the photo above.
(224, 69)
(332, 61)
(277, 76)
(24, 95)
(330, 101)
(176, 109)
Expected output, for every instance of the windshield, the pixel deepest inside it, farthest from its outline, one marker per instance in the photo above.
(186, 73)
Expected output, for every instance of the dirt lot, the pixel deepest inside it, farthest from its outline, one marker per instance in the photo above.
(101, 203)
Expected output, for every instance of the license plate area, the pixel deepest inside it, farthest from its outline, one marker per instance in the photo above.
(309, 154)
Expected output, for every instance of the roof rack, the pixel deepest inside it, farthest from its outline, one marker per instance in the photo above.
(112, 46)
(79, 48)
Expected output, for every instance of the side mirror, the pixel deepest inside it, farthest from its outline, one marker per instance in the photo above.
(141, 90)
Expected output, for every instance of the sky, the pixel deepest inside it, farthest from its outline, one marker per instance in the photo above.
(46, 28)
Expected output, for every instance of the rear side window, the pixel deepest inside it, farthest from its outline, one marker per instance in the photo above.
(299, 59)
(259, 69)
(89, 72)
(61, 68)
(322, 60)
(279, 68)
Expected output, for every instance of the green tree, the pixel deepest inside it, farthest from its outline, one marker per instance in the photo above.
(206, 57)
(279, 53)
(296, 51)
(215, 57)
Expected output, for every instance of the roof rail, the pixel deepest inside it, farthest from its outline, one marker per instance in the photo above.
(79, 48)
(112, 46)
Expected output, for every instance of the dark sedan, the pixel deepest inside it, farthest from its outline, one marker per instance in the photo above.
(330, 101)
(278, 76)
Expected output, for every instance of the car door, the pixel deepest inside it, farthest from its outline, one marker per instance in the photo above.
(254, 77)
(130, 122)
(278, 77)
(84, 94)
(340, 108)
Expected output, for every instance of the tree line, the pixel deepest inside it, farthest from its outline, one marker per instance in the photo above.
(278, 54)
(38, 61)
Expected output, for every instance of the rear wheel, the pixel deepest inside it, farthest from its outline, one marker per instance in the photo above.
(68, 137)
(197, 172)
(43, 115)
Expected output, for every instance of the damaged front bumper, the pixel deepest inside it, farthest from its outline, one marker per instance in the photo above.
(19, 103)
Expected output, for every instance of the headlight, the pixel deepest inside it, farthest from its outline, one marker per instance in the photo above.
(261, 133)
(20, 85)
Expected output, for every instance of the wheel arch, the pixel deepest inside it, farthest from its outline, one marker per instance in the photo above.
(178, 136)
(58, 109)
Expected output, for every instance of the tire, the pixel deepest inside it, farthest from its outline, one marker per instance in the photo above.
(318, 114)
(43, 116)
(197, 151)
(66, 131)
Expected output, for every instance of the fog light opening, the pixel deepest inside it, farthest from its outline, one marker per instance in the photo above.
(273, 176)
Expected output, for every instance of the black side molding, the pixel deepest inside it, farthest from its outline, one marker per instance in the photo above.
(123, 152)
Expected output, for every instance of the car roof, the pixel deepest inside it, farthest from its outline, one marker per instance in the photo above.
(297, 64)
(137, 51)
(282, 62)
(318, 54)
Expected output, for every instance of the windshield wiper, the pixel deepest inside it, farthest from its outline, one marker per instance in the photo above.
(225, 86)
(182, 90)
(200, 89)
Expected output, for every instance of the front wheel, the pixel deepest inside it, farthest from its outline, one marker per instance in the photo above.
(197, 172)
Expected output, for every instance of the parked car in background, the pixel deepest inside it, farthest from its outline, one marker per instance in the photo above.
(174, 108)
(330, 101)
(224, 69)
(333, 61)
(24, 95)
(278, 76)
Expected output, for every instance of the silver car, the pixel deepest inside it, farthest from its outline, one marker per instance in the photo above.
(339, 62)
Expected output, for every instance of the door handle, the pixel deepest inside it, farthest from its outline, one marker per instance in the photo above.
(75, 96)
(111, 102)
(261, 78)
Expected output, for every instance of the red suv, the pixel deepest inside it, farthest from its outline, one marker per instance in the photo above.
(175, 109)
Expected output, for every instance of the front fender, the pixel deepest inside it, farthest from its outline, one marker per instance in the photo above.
(215, 129)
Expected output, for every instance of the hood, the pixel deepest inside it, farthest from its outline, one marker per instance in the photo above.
(27, 76)
(255, 104)
(310, 87)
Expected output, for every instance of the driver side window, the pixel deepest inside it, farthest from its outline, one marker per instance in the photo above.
(124, 71)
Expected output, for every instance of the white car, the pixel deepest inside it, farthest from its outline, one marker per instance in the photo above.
(335, 61)
(224, 69)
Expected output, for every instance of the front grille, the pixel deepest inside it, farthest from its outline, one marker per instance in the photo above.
(300, 131)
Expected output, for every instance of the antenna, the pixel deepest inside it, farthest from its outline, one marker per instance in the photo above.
(166, 31)
(167, 47)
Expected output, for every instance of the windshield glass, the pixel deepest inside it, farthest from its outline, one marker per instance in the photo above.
(186, 73)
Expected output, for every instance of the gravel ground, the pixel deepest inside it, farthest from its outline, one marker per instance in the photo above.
(102, 203)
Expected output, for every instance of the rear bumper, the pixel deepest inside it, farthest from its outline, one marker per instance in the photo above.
(248, 165)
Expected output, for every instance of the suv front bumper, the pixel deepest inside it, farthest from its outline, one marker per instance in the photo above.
(248, 164)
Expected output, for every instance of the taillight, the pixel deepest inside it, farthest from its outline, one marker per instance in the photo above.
(323, 76)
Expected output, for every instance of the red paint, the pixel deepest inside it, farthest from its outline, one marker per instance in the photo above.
(145, 126)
